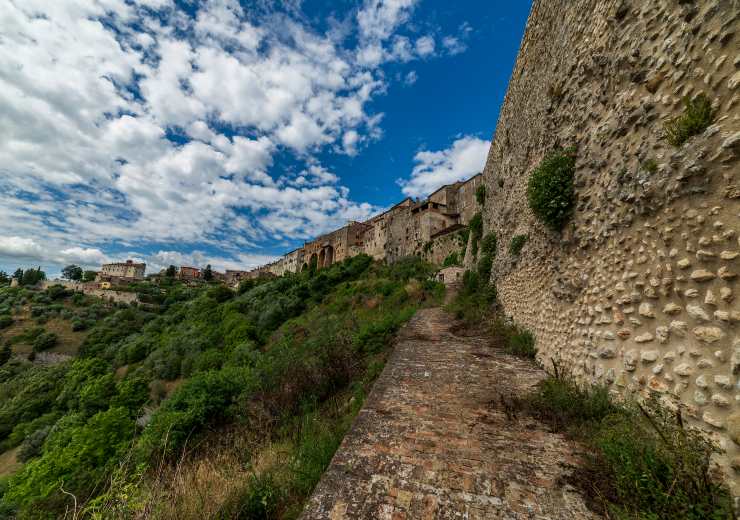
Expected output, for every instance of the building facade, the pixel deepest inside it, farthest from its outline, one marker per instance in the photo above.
(128, 271)
(402, 230)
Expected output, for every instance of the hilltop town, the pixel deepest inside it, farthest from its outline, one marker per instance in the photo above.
(403, 230)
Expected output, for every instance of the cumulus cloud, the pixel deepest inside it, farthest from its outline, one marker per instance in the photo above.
(26, 249)
(130, 124)
(463, 159)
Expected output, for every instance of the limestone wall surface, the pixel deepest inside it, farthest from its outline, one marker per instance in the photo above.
(640, 291)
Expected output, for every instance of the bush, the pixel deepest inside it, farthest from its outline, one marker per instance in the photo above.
(643, 463)
(488, 245)
(44, 341)
(484, 269)
(650, 166)
(451, 259)
(514, 339)
(550, 189)
(697, 116)
(476, 231)
(5, 321)
(516, 244)
(480, 195)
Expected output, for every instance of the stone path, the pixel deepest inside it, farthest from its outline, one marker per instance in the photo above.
(433, 440)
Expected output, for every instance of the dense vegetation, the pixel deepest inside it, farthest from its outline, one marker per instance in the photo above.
(698, 114)
(477, 295)
(550, 190)
(284, 362)
(642, 464)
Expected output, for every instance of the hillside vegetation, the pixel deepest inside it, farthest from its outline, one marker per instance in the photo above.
(212, 404)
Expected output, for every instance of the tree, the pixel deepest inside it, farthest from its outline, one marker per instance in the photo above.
(208, 273)
(89, 276)
(171, 271)
(18, 274)
(5, 354)
(4, 278)
(33, 276)
(72, 272)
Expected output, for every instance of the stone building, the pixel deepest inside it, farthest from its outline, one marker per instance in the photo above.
(188, 273)
(400, 231)
(124, 271)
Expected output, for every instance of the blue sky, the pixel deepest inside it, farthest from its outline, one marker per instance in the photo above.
(227, 132)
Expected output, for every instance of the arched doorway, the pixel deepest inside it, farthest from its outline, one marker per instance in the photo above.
(322, 259)
(328, 256)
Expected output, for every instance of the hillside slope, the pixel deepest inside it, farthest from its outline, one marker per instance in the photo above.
(265, 381)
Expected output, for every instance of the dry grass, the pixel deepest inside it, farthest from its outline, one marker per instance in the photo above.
(68, 343)
(200, 487)
(9, 463)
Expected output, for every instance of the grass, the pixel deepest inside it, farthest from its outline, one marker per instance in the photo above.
(697, 116)
(514, 339)
(642, 463)
(9, 462)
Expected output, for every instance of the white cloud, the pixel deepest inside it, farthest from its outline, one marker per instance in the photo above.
(25, 249)
(425, 46)
(454, 45)
(462, 160)
(379, 18)
(410, 78)
(155, 127)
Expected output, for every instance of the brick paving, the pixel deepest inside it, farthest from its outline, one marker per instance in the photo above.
(434, 441)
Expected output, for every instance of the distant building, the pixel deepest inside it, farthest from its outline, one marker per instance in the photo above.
(189, 273)
(403, 230)
(121, 271)
(233, 277)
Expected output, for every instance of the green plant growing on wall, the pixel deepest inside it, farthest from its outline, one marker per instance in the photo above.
(451, 259)
(697, 116)
(550, 189)
(480, 195)
(476, 231)
(428, 247)
(650, 166)
(517, 243)
(488, 245)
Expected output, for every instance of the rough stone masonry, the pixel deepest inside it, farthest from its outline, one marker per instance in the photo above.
(641, 290)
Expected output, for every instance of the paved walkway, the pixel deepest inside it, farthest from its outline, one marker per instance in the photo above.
(433, 440)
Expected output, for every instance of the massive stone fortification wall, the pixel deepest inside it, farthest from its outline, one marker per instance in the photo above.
(641, 290)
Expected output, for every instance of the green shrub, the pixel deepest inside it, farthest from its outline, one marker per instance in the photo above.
(484, 269)
(697, 116)
(514, 339)
(516, 244)
(567, 406)
(643, 463)
(480, 195)
(259, 500)
(451, 259)
(476, 231)
(650, 166)
(5, 321)
(78, 325)
(488, 245)
(45, 341)
(550, 189)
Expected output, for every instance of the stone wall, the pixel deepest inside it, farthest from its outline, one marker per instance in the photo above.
(92, 289)
(442, 245)
(640, 291)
